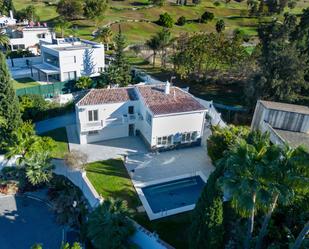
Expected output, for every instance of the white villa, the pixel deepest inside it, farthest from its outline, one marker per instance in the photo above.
(164, 116)
(67, 59)
(286, 123)
(29, 36)
(7, 20)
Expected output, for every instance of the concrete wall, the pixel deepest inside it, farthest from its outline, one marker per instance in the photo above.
(180, 123)
(22, 62)
(85, 62)
(284, 120)
(111, 118)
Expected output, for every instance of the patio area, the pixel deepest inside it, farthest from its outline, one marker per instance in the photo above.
(115, 148)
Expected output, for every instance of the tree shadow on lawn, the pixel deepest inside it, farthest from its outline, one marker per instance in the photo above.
(110, 167)
(59, 135)
(128, 194)
(139, 4)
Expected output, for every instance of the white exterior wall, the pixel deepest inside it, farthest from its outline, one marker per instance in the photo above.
(30, 38)
(178, 123)
(7, 21)
(75, 60)
(111, 118)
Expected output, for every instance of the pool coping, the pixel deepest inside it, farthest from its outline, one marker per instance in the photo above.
(152, 216)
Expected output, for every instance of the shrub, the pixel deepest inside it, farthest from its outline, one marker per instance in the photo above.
(207, 16)
(34, 107)
(166, 20)
(222, 138)
(181, 21)
(220, 26)
(84, 82)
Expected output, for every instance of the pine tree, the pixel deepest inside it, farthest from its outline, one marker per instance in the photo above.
(119, 71)
(9, 108)
(207, 229)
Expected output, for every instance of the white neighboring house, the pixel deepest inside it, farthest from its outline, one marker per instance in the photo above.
(29, 36)
(7, 20)
(68, 59)
(164, 116)
(286, 123)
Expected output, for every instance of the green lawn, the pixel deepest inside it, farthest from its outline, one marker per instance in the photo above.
(110, 179)
(24, 83)
(60, 137)
(235, 15)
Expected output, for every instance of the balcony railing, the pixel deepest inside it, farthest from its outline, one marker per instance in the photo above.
(132, 118)
(92, 126)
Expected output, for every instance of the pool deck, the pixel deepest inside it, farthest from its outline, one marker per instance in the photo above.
(151, 168)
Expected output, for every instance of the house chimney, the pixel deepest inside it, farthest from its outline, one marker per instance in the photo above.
(11, 14)
(167, 87)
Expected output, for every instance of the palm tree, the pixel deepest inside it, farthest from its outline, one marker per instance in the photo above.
(4, 39)
(38, 167)
(154, 45)
(287, 172)
(109, 226)
(62, 26)
(242, 178)
(104, 35)
(24, 139)
(301, 236)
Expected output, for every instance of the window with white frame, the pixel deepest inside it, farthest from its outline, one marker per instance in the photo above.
(93, 115)
(189, 137)
(165, 140)
(148, 118)
(92, 133)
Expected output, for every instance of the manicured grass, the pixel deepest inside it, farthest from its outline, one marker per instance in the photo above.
(60, 137)
(110, 179)
(24, 83)
(235, 15)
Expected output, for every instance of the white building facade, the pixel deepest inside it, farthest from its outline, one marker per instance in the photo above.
(29, 37)
(7, 20)
(68, 59)
(164, 117)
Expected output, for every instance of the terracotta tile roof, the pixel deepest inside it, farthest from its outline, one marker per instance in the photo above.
(175, 102)
(285, 107)
(108, 96)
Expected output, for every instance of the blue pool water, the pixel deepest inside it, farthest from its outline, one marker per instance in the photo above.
(173, 194)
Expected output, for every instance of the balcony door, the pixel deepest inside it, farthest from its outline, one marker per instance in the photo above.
(131, 130)
(131, 109)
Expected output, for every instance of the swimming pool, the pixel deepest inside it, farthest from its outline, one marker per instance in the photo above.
(173, 195)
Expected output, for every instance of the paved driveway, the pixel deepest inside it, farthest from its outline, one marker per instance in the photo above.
(24, 222)
(104, 150)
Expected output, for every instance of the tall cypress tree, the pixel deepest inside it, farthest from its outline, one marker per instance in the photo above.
(119, 70)
(207, 228)
(9, 108)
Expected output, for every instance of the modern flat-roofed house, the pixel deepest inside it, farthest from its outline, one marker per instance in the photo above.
(286, 123)
(68, 59)
(164, 116)
(29, 37)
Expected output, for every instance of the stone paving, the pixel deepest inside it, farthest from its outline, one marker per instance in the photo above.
(104, 150)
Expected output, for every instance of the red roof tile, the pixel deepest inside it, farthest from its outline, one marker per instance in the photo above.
(108, 96)
(175, 102)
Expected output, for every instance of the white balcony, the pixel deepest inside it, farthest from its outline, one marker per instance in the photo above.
(132, 118)
(92, 126)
